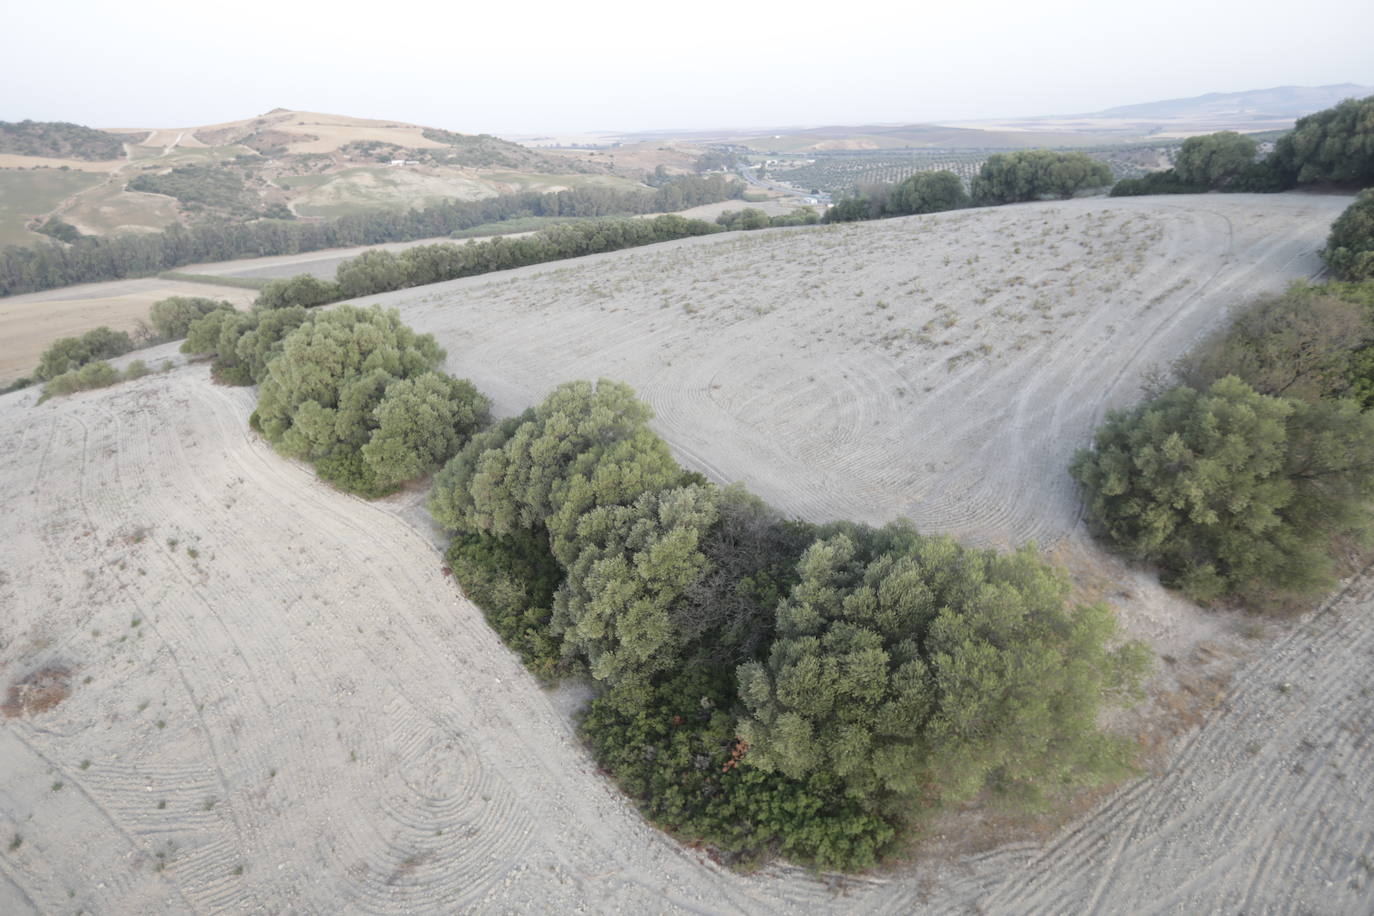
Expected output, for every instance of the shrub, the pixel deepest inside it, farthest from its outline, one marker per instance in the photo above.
(915, 670)
(70, 353)
(172, 317)
(1302, 344)
(1033, 174)
(1212, 159)
(301, 290)
(420, 423)
(1228, 490)
(1350, 247)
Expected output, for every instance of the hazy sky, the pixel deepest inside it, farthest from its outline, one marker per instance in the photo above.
(573, 65)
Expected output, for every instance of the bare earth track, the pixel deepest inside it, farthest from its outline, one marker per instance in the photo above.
(279, 703)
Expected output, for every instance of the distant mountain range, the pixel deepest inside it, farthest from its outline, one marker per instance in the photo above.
(1278, 102)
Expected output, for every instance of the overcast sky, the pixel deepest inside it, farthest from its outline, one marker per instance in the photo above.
(583, 65)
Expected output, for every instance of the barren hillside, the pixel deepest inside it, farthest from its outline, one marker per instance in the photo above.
(237, 688)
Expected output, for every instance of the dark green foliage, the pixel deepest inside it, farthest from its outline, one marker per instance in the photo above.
(1302, 344)
(1263, 177)
(1336, 144)
(302, 289)
(922, 192)
(631, 567)
(59, 229)
(726, 615)
(590, 550)
(916, 670)
(748, 218)
(320, 392)
(199, 187)
(29, 268)
(1350, 247)
(171, 317)
(60, 139)
(420, 423)
(673, 749)
(1230, 491)
(512, 578)
(1034, 174)
(99, 374)
(928, 192)
(753, 218)
(1213, 159)
(353, 390)
(1165, 182)
(70, 353)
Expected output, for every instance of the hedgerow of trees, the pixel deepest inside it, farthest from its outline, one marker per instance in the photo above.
(60, 139)
(1236, 482)
(922, 192)
(1350, 247)
(1334, 145)
(94, 258)
(1034, 174)
(768, 686)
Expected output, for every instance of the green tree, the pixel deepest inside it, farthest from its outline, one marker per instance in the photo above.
(915, 670)
(1033, 174)
(1335, 144)
(421, 423)
(1221, 488)
(928, 192)
(319, 393)
(172, 317)
(1303, 344)
(1212, 159)
(633, 563)
(1350, 247)
(301, 290)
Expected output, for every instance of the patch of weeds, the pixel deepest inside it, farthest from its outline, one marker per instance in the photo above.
(86, 764)
(136, 622)
(238, 870)
(161, 723)
(1253, 748)
(209, 804)
(57, 786)
(16, 842)
(172, 543)
(161, 804)
(192, 552)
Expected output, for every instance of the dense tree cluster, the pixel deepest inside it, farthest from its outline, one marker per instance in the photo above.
(1350, 248)
(61, 140)
(923, 192)
(68, 353)
(1034, 174)
(1335, 145)
(754, 218)
(768, 686)
(172, 317)
(1212, 159)
(199, 187)
(357, 392)
(1235, 482)
(93, 258)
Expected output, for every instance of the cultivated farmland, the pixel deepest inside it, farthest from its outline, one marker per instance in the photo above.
(237, 688)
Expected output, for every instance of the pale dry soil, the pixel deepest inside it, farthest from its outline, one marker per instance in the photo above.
(279, 703)
(31, 322)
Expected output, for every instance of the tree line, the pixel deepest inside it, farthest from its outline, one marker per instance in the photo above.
(1332, 146)
(1004, 178)
(90, 259)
